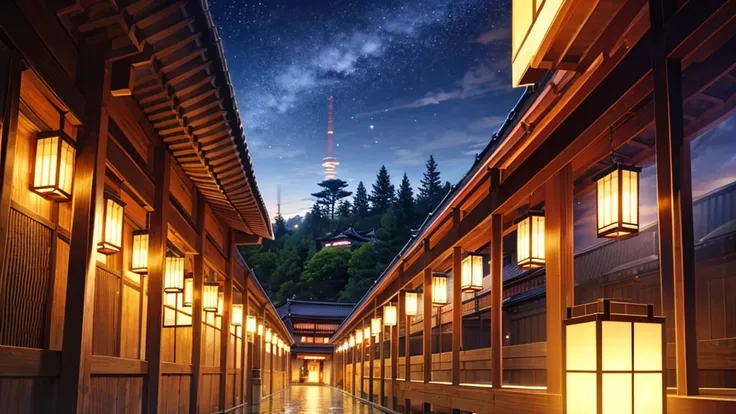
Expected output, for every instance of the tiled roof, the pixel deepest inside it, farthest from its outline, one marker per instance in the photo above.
(305, 308)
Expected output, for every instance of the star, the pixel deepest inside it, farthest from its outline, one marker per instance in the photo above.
(372, 126)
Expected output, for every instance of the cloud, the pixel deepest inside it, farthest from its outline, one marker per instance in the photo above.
(487, 123)
(493, 35)
(479, 80)
(423, 146)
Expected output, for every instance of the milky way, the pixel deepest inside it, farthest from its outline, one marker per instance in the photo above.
(410, 78)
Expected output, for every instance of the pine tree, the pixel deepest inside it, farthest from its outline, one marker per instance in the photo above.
(279, 227)
(390, 239)
(344, 209)
(360, 201)
(430, 192)
(405, 206)
(333, 191)
(383, 192)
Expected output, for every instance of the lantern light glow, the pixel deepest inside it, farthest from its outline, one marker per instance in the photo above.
(260, 329)
(530, 240)
(139, 258)
(439, 289)
(53, 174)
(389, 315)
(188, 292)
(351, 341)
(174, 277)
(411, 302)
(236, 318)
(471, 271)
(367, 333)
(250, 324)
(617, 201)
(359, 336)
(112, 226)
(376, 324)
(209, 296)
(268, 335)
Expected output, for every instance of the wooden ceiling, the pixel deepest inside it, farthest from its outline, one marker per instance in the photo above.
(168, 56)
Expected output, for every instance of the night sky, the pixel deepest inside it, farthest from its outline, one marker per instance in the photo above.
(409, 78)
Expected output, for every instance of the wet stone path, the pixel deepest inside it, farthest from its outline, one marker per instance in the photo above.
(314, 399)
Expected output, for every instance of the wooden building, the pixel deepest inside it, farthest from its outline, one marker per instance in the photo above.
(126, 188)
(347, 238)
(611, 87)
(312, 323)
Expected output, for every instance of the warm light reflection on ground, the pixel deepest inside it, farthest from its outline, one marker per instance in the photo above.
(314, 399)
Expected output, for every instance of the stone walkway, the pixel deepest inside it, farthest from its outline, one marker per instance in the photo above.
(314, 399)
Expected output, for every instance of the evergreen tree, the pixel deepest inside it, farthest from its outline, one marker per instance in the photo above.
(344, 209)
(405, 206)
(383, 192)
(279, 227)
(362, 272)
(430, 192)
(326, 274)
(360, 202)
(390, 239)
(333, 191)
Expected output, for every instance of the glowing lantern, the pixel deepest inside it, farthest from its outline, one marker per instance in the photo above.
(376, 324)
(389, 315)
(188, 292)
(411, 303)
(471, 271)
(530, 240)
(112, 226)
(54, 171)
(614, 355)
(139, 259)
(274, 339)
(617, 206)
(359, 336)
(367, 333)
(236, 318)
(174, 276)
(260, 329)
(220, 303)
(209, 296)
(439, 289)
(268, 335)
(250, 324)
(351, 341)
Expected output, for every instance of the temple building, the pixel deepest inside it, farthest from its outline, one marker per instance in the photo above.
(347, 238)
(312, 323)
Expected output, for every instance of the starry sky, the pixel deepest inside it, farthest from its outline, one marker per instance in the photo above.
(409, 79)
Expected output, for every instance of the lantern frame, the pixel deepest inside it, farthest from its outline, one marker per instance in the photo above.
(139, 256)
(174, 283)
(411, 298)
(55, 190)
(609, 358)
(471, 283)
(367, 335)
(359, 336)
(617, 227)
(390, 315)
(251, 324)
(188, 298)
(439, 288)
(268, 335)
(534, 248)
(236, 315)
(210, 296)
(111, 240)
(376, 325)
(260, 329)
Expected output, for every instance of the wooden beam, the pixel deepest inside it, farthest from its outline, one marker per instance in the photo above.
(8, 129)
(28, 362)
(674, 202)
(225, 348)
(560, 268)
(87, 221)
(496, 300)
(197, 312)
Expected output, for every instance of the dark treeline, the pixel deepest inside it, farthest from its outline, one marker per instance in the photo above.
(293, 265)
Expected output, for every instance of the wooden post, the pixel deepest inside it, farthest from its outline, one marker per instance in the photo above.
(362, 360)
(675, 204)
(247, 349)
(270, 358)
(382, 367)
(8, 132)
(256, 390)
(496, 299)
(372, 352)
(354, 369)
(560, 268)
(158, 232)
(427, 321)
(89, 178)
(457, 305)
(400, 316)
(197, 312)
(225, 348)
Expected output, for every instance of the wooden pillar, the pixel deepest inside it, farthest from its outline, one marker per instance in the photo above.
(381, 358)
(93, 78)
(427, 322)
(8, 132)
(457, 308)
(354, 369)
(675, 204)
(372, 352)
(256, 389)
(158, 232)
(400, 316)
(197, 312)
(362, 360)
(560, 268)
(496, 299)
(225, 348)
(247, 349)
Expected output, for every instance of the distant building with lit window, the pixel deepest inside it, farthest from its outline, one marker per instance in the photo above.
(312, 323)
(347, 238)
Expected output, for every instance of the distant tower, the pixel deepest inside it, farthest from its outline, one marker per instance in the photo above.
(330, 163)
(278, 200)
